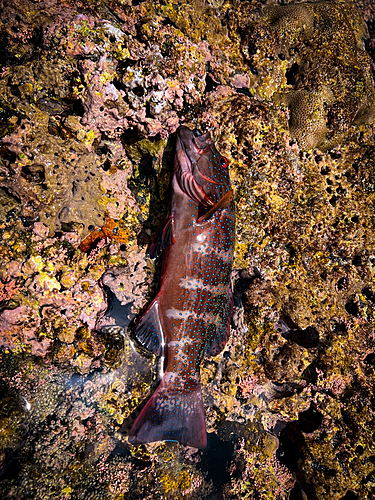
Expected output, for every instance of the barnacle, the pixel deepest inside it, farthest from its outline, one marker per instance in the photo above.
(113, 340)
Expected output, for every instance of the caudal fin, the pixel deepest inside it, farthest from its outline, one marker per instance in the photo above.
(171, 415)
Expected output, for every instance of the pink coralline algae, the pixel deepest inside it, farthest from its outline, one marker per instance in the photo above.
(247, 385)
(9, 288)
(100, 92)
(163, 81)
(129, 283)
(18, 328)
(116, 474)
(92, 94)
(278, 479)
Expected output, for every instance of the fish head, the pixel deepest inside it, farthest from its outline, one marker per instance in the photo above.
(201, 170)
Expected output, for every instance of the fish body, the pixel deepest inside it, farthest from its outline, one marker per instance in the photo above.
(190, 316)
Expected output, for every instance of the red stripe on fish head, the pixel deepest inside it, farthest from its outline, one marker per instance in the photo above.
(199, 158)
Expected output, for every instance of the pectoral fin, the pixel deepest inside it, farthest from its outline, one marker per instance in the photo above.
(222, 203)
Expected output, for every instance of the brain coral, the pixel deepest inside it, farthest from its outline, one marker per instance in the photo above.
(289, 20)
(319, 45)
(308, 116)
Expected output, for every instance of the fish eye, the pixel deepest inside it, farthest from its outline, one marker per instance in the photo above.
(223, 162)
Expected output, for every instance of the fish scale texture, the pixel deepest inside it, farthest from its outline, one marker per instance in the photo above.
(190, 316)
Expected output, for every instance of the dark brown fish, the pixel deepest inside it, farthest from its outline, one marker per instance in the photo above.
(190, 316)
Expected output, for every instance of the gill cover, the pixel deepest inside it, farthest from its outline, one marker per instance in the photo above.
(201, 172)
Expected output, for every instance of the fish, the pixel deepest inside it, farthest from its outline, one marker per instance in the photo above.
(190, 316)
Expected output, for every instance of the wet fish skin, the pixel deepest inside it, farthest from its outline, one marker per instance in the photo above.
(190, 316)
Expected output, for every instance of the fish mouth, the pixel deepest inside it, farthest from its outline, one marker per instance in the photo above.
(199, 176)
(201, 141)
(198, 133)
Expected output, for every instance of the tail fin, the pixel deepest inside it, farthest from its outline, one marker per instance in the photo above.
(171, 415)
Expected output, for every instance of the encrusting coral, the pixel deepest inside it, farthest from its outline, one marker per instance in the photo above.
(91, 95)
(319, 50)
(308, 120)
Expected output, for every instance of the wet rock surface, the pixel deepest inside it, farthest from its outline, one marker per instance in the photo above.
(91, 95)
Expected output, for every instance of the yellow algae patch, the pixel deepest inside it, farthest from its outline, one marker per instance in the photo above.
(48, 283)
(180, 482)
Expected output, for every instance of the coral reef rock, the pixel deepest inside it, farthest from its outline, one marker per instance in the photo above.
(91, 94)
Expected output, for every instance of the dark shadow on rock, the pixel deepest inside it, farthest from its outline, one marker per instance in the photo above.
(116, 310)
(159, 187)
(246, 279)
(215, 460)
(292, 444)
(308, 337)
(349, 496)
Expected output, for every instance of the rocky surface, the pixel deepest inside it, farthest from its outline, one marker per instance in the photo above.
(91, 95)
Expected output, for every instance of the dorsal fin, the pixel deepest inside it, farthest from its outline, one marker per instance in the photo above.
(149, 331)
(218, 334)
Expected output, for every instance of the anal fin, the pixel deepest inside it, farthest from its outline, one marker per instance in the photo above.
(149, 331)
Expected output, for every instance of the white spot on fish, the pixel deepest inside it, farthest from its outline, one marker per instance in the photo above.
(174, 313)
(180, 343)
(193, 284)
